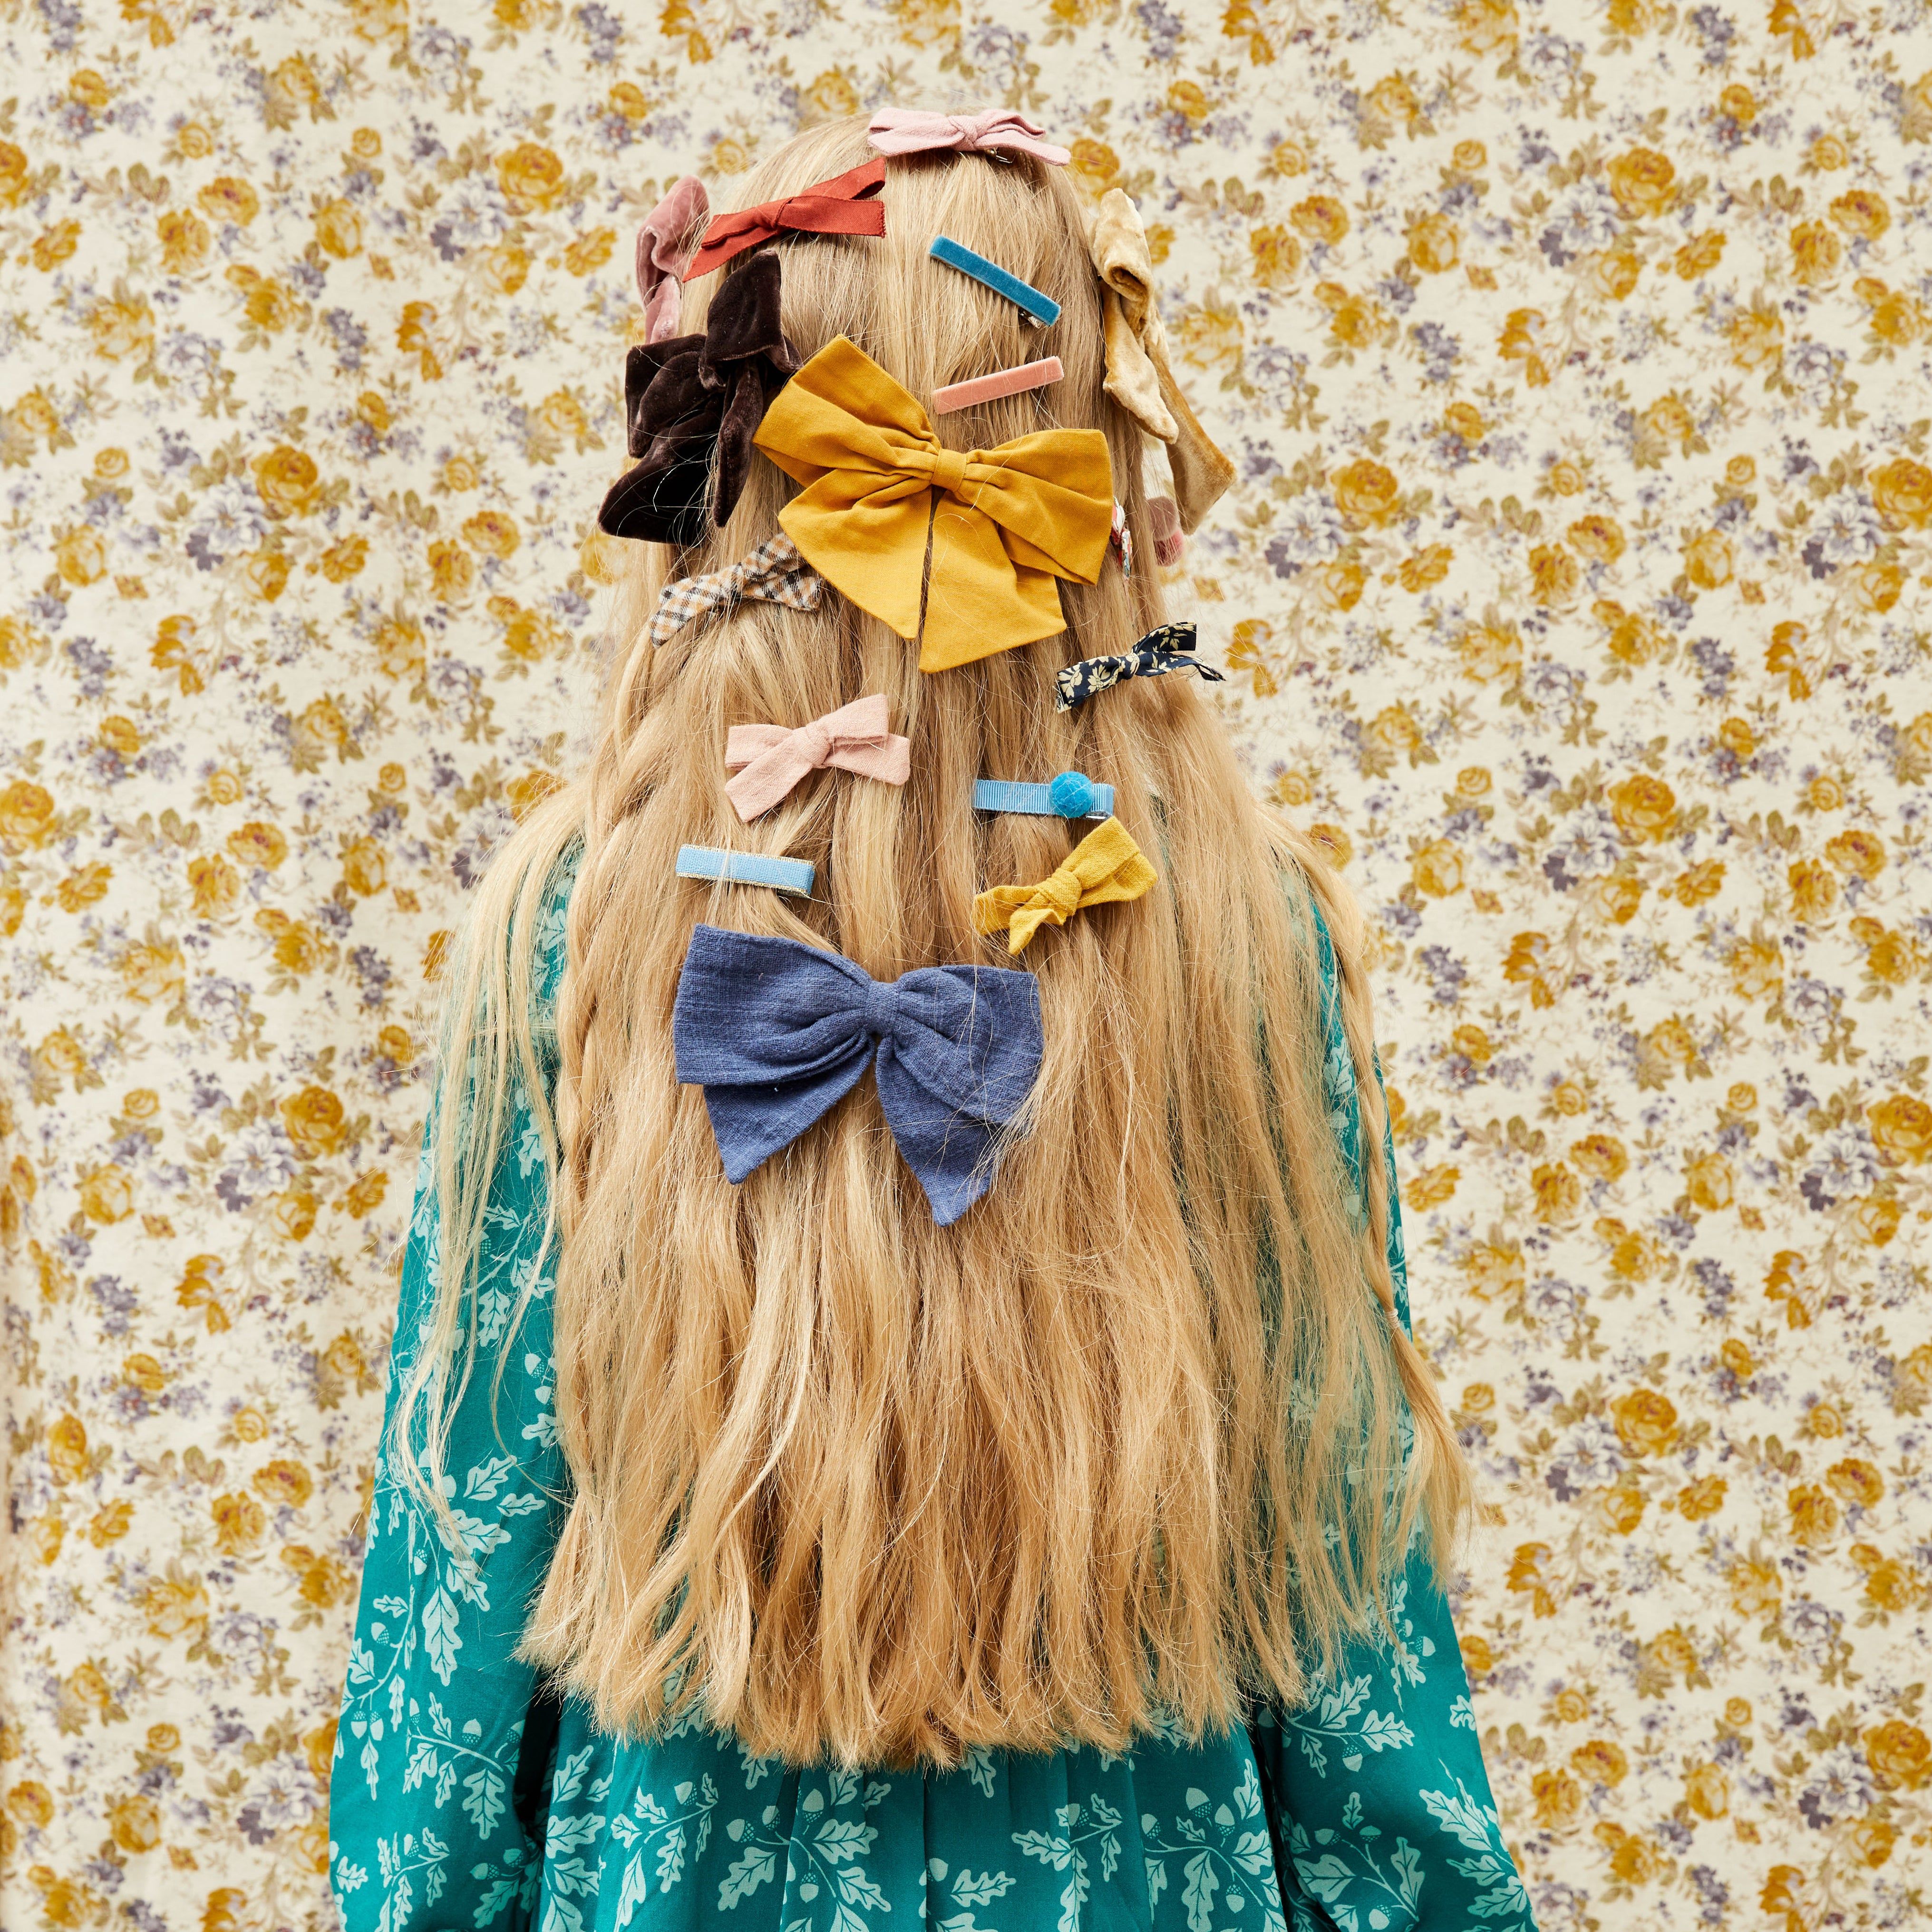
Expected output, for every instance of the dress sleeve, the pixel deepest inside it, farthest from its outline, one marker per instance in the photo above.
(1384, 1816)
(440, 1719)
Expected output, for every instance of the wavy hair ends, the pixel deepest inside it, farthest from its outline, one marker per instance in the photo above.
(1137, 1438)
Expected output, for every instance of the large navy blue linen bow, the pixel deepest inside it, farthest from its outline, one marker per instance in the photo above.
(775, 1032)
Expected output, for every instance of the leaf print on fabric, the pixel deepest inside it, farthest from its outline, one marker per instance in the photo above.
(1331, 1721)
(982, 1890)
(569, 1832)
(755, 1865)
(1198, 1895)
(439, 1757)
(1353, 1882)
(562, 1913)
(1374, 1844)
(825, 1854)
(441, 1641)
(1475, 1825)
(403, 1862)
(1225, 1848)
(426, 1756)
(660, 1837)
(527, 1139)
(1503, 1892)
(1092, 1830)
(572, 1771)
(967, 1891)
(1472, 1824)
(504, 1891)
(483, 1796)
(983, 1767)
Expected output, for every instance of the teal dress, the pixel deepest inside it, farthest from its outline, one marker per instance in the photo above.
(464, 1796)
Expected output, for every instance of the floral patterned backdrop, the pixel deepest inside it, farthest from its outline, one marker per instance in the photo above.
(1576, 360)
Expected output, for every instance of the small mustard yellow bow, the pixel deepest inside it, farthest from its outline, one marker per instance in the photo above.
(1106, 866)
(1008, 520)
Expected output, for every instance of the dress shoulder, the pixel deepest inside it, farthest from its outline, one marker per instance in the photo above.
(549, 948)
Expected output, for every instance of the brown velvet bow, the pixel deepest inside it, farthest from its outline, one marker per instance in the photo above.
(693, 394)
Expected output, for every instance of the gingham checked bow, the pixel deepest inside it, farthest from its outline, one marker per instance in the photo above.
(774, 573)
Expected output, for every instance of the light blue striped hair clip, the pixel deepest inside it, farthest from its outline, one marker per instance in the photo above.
(1071, 795)
(1041, 308)
(746, 868)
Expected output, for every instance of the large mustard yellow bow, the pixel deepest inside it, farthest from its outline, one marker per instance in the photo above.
(1009, 520)
(1106, 866)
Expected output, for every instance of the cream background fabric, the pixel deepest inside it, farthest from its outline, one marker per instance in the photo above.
(1575, 582)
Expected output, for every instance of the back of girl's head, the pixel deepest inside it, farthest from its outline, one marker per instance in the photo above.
(851, 1483)
(928, 325)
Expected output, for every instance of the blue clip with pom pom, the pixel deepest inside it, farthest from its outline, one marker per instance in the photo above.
(1071, 795)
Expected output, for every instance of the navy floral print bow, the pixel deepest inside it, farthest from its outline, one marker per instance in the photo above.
(1156, 654)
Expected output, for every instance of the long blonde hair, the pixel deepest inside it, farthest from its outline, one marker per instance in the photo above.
(1131, 1441)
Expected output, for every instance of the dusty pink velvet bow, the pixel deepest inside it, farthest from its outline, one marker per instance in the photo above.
(666, 240)
(769, 760)
(912, 130)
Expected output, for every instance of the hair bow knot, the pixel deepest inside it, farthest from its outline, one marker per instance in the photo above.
(769, 760)
(846, 205)
(912, 131)
(1057, 897)
(1140, 377)
(667, 238)
(774, 573)
(777, 1033)
(1154, 655)
(1009, 522)
(687, 396)
(1105, 869)
(881, 1020)
(947, 468)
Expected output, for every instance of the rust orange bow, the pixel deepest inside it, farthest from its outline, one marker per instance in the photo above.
(839, 206)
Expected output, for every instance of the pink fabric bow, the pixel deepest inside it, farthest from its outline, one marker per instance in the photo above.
(769, 760)
(912, 130)
(666, 240)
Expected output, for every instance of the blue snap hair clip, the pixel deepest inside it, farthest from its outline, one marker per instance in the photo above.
(746, 868)
(1041, 306)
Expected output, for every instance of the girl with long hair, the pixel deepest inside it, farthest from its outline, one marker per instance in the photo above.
(902, 1404)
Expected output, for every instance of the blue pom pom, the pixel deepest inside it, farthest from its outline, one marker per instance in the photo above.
(1071, 794)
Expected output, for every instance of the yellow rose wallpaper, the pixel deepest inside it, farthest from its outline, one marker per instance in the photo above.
(1576, 591)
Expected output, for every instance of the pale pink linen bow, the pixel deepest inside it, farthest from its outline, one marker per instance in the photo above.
(912, 130)
(666, 240)
(769, 760)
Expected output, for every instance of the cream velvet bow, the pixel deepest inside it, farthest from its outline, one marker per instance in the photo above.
(1139, 376)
